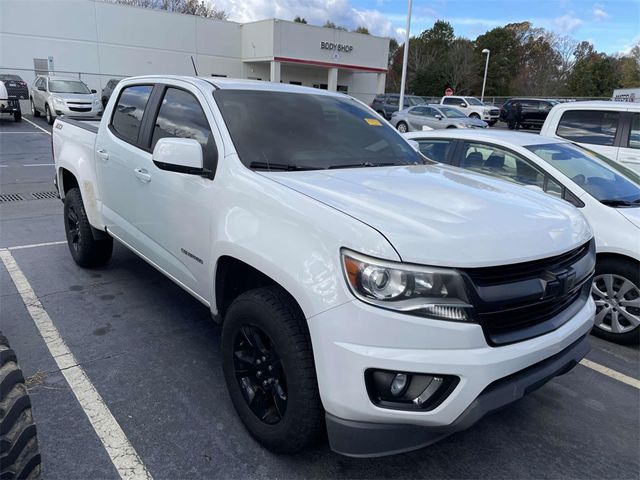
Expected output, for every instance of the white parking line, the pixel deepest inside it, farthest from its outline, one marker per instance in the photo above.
(37, 126)
(120, 451)
(39, 165)
(36, 245)
(621, 377)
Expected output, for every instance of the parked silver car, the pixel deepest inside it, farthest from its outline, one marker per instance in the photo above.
(433, 116)
(56, 96)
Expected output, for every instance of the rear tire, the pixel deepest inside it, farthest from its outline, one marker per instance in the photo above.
(50, 117)
(17, 116)
(475, 115)
(402, 127)
(85, 249)
(20, 455)
(275, 395)
(34, 110)
(614, 311)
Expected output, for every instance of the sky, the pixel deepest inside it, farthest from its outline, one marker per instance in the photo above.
(611, 25)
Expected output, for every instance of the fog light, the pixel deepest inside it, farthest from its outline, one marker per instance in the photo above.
(399, 384)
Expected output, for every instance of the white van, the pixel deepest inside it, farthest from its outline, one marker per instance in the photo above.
(609, 128)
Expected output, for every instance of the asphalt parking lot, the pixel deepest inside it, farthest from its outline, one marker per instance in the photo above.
(152, 353)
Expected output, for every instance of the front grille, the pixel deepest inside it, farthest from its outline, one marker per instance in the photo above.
(494, 112)
(79, 109)
(524, 300)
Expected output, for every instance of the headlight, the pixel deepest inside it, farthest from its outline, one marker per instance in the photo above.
(413, 289)
(58, 101)
(96, 103)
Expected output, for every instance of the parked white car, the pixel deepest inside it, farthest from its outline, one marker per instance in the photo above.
(56, 96)
(609, 128)
(474, 108)
(606, 192)
(359, 285)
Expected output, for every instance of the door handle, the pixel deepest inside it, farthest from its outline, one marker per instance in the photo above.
(103, 154)
(143, 175)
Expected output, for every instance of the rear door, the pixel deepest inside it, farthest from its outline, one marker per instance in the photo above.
(629, 151)
(118, 153)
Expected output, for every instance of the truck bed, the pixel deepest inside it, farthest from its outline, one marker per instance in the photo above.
(81, 122)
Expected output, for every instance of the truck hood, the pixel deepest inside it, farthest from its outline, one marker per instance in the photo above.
(440, 215)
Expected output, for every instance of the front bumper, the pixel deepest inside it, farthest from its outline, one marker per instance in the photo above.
(355, 337)
(65, 110)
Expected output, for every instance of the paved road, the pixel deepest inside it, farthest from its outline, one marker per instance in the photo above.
(152, 353)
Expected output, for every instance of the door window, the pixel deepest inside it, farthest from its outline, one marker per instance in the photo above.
(436, 150)
(181, 116)
(418, 111)
(431, 112)
(453, 101)
(127, 116)
(596, 127)
(634, 132)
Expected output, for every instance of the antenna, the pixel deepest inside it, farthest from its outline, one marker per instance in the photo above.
(194, 65)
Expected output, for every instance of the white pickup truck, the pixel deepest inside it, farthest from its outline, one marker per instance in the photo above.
(361, 287)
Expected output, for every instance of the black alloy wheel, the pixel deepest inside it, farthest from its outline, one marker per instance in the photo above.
(260, 375)
(73, 226)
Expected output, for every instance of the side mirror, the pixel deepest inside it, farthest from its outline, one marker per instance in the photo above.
(42, 89)
(438, 116)
(93, 90)
(182, 155)
(463, 105)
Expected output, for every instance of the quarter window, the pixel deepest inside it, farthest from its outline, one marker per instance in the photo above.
(595, 127)
(181, 115)
(634, 133)
(436, 150)
(127, 116)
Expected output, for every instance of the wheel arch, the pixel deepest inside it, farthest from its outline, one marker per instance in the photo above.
(620, 257)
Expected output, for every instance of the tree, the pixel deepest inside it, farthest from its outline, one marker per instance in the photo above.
(299, 19)
(363, 30)
(461, 72)
(504, 62)
(594, 74)
(330, 24)
(198, 8)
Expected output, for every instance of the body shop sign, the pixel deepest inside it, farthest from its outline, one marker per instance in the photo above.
(336, 47)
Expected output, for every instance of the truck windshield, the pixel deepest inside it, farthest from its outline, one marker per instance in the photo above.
(607, 181)
(7, 77)
(301, 131)
(68, 86)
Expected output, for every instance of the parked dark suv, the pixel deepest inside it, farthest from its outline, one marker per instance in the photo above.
(387, 103)
(534, 111)
(108, 90)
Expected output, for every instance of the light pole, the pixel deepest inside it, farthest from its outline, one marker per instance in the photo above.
(486, 67)
(405, 58)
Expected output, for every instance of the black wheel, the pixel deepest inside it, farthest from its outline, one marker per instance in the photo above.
(34, 110)
(474, 115)
(616, 291)
(17, 116)
(402, 127)
(492, 123)
(104, 102)
(269, 370)
(451, 126)
(50, 117)
(20, 455)
(85, 250)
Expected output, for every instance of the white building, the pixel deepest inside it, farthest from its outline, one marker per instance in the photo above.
(97, 41)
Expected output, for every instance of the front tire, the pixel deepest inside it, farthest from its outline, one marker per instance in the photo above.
(50, 117)
(20, 455)
(17, 116)
(616, 291)
(402, 127)
(34, 110)
(475, 115)
(85, 250)
(269, 370)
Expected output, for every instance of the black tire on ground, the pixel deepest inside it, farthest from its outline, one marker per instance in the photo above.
(20, 455)
(474, 115)
(17, 116)
(492, 123)
(34, 110)
(50, 117)
(402, 127)
(282, 326)
(451, 126)
(85, 249)
(629, 270)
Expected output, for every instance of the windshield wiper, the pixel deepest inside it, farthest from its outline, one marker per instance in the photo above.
(363, 164)
(287, 167)
(612, 202)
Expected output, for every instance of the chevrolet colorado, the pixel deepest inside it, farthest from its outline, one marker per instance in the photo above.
(361, 287)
